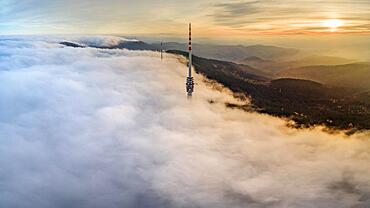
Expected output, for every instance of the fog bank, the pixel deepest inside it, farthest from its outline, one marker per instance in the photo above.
(83, 127)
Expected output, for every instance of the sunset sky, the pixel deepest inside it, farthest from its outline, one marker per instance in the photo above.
(210, 17)
(342, 26)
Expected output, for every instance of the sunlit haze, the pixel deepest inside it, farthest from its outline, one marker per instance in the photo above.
(231, 22)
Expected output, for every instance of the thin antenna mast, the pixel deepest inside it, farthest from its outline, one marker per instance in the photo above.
(161, 51)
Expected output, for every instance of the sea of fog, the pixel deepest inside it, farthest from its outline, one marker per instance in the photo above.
(92, 128)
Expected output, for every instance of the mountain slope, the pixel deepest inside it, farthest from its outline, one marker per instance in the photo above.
(224, 69)
(305, 102)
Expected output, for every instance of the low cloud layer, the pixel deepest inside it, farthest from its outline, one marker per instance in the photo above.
(82, 127)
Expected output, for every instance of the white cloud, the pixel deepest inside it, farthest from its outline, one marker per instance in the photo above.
(82, 127)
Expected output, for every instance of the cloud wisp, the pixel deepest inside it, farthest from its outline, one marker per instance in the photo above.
(292, 17)
(84, 127)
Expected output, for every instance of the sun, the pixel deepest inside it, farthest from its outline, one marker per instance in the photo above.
(333, 24)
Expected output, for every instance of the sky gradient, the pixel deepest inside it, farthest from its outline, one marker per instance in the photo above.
(167, 17)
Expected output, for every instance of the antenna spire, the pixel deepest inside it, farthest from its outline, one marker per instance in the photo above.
(190, 79)
(161, 51)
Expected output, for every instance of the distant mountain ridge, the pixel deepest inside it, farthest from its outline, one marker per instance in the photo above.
(130, 45)
(233, 53)
(270, 59)
(71, 44)
(355, 75)
(276, 66)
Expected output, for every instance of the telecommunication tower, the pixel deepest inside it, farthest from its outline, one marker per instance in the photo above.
(190, 79)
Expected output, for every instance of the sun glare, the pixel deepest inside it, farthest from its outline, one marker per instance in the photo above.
(333, 24)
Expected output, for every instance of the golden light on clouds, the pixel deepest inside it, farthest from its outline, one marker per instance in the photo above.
(332, 24)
